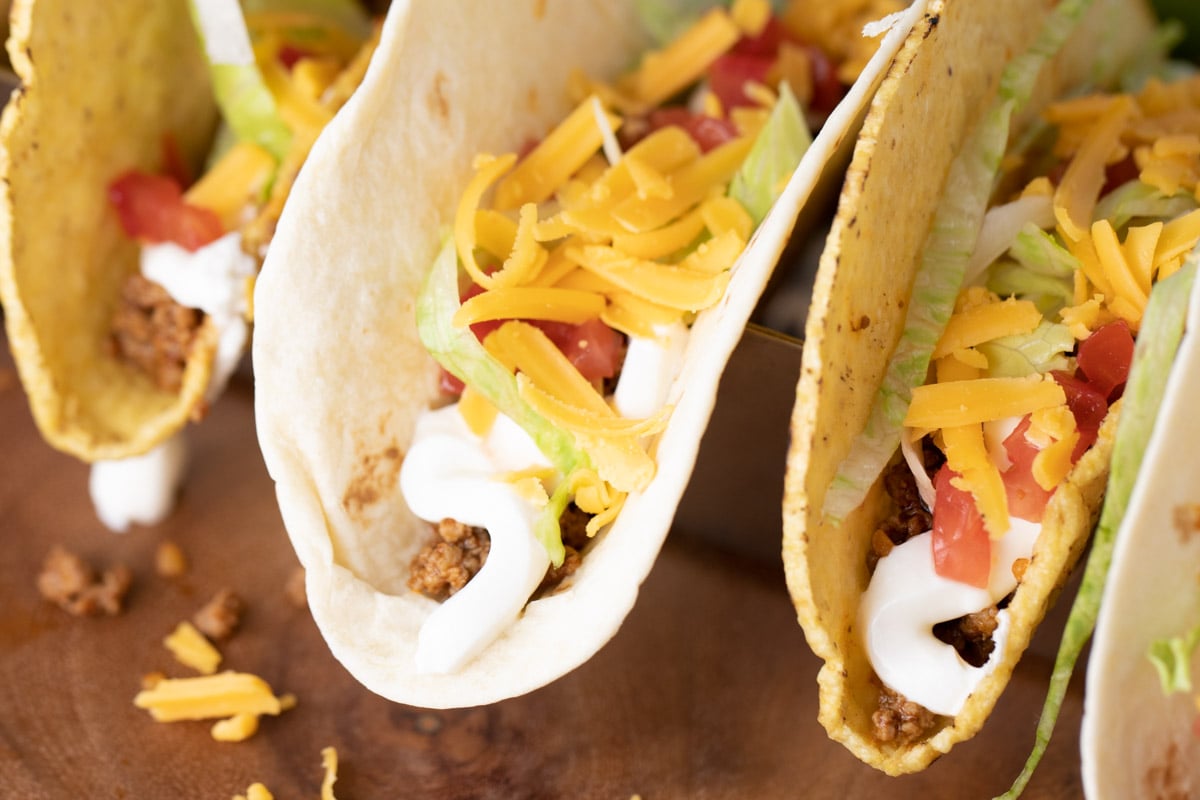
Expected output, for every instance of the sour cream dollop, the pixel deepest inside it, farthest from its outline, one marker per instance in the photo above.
(450, 472)
(142, 489)
(907, 597)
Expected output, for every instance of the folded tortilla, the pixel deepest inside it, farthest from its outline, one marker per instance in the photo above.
(923, 114)
(102, 86)
(342, 376)
(1139, 735)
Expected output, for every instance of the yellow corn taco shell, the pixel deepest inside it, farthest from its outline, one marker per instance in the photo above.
(341, 374)
(102, 85)
(920, 117)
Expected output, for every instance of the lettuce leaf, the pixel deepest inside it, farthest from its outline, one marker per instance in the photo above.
(246, 104)
(1141, 201)
(773, 158)
(1172, 659)
(1043, 349)
(349, 15)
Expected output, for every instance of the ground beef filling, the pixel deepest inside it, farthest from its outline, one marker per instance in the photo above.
(152, 332)
(897, 718)
(457, 551)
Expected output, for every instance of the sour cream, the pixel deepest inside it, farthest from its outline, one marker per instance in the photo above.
(907, 597)
(140, 489)
(450, 472)
(213, 279)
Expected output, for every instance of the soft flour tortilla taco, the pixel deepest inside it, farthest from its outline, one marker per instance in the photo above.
(116, 115)
(1141, 722)
(964, 357)
(360, 439)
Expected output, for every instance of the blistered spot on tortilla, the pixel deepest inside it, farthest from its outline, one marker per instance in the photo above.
(375, 476)
(1187, 520)
(532, 100)
(539, 9)
(861, 324)
(438, 104)
(1166, 780)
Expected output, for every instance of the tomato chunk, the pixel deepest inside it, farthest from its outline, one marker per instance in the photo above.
(708, 132)
(1105, 356)
(595, 349)
(1026, 498)
(962, 550)
(1087, 405)
(151, 208)
(729, 74)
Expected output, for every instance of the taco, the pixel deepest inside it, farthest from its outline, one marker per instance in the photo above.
(948, 460)
(1141, 721)
(356, 329)
(117, 112)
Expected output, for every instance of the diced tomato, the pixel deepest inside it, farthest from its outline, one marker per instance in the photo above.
(448, 384)
(1105, 356)
(151, 208)
(827, 90)
(594, 348)
(289, 54)
(1026, 498)
(1088, 407)
(962, 550)
(1121, 172)
(766, 43)
(707, 132)
(729, 74)
(174, 164)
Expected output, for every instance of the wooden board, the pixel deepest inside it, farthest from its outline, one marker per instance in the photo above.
(708, 691)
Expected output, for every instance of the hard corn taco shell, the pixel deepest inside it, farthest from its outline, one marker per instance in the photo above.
(940, 84)
(341, 375)
(103, 84)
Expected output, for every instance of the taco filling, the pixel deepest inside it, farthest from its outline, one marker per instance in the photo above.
(279, 78)
(1034, 354)
(584, 261)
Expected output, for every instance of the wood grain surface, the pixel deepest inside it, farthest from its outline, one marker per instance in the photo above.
(708, 691)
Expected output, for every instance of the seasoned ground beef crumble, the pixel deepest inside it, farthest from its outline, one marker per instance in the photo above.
(456, 552)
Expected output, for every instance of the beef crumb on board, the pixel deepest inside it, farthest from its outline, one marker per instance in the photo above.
(456, 552)
(73, 585)
(152, 332)
(900, 720)
(220, 616)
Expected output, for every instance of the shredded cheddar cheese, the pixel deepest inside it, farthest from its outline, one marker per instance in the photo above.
(237, 728)
(209, 697)
(191, 649)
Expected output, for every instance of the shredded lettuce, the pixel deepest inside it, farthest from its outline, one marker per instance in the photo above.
(939, 278)
(1141, 201)
(1008, 278)
(774, 157)
(462, 355)
(1041, 270)
(246, 103)
(1157, 343)
(1041, 350)
(349, 15)
(1172, 659)
(664, 20)
(1040, 252)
